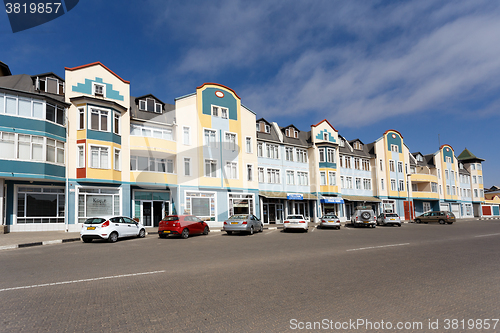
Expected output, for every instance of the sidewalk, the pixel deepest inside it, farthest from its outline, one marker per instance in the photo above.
(14, 240)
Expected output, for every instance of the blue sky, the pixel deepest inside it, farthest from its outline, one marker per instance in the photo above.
(429, 69)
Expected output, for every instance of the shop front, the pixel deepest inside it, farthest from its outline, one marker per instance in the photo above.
(276, 206)
(333, 205)
(151, 206)
(352, 201)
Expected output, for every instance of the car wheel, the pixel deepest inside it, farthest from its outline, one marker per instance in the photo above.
(417, 221)
(261, 228)
(142, 233)
(205, 231)
(441, 221)
(338, 228)
(306, 230)
(185, 233)
(162, 236)
(229, 232)
(113, 237)
(374, 226)
(87, 240)
(399, 224)
(251, 230)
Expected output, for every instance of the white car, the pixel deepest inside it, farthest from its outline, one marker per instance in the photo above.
(295, 222)
(329, 220)
(111, 228)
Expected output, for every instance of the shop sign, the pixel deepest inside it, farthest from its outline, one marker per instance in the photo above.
(295, 196)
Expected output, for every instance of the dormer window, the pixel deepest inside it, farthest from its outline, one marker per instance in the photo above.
(357, 145)
(341, 143)
(295, 134)
(257, 127)
(50, 85)
(419, 158)
(267, 128)
(150, 104)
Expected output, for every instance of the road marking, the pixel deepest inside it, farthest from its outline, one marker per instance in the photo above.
(82, 280)
(488, 235)
(271, 231)
(377, 247)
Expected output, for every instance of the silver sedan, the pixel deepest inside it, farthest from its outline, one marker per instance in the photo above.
(243, 223)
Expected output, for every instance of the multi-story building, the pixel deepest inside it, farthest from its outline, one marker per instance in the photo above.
(32, 152)
(82, 146)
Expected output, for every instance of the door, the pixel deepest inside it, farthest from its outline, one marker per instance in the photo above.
(147, 212)
(157, 212)
(265, 210)
(279, 213)
(272, 213)
(427, 207)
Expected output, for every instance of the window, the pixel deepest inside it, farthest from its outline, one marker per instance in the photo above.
(400, 167)
(261, 175)
(439, 173)
(348, 182)
(249, 172)
(210, 137)
(325, 136)
(382, 184)
(272, 151)
(447, 174)
(347, 162)
(480, 179)
(187, 166)
(393, 185)
(452, 174)
(406, 167)
(440, 189)
(302, 178)
(295, 134)
(267, 128)
(474, 180)
(231, 170)
(448, 159)
(331, 178)
(81, 118)
(419, 158)
(401, 185)
(453, 190)
(231, 143)
(40, 205)
(357, 165)
(367, 184)
(357, 145)
(99, 120)
(248, 141)
(117, 160)
(481, 193)
(99, 157)
(153, 132)
(448, 189)
(290, 176)
(366, 165)
(273, 176)
(260, 149)
(330, 155)
(391, 165)
(301, 155)
(322, 177)
(50, 85)
(116, 127)
(289, 153)
(341, 160)
(479, 167)
(223, 113)
(185, 138)
(342, 183)
(81, 156)
(150, 105)
(322, 154)
(99, 89)
(358, 183)
(395, 148)
(473, 166)
(475, 193)
(434, 187)
(341, 143)
(210, 168)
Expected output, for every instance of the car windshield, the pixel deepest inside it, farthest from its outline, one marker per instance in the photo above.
(95, 220)
(295, 217)
(391, 215)
(331, 216)
(239, 217)
(171, 218)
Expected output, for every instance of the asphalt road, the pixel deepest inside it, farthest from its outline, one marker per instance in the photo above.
(418, 276)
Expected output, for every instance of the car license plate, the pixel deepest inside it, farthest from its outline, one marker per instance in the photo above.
(166, 231)
(392, 219)
(234, 222)
(90, 228)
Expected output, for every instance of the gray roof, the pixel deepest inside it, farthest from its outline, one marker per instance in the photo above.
(365, 152)
(23, 83)
(272, 136)
(167, 117)
(4, 69)
(302, 140)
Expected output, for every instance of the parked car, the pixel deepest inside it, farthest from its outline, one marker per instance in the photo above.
(363, 215)
(295, 222)
(182, 225)
(243, 223)
(389, 219)
(436, 216)
(329, 220)
(111, 228)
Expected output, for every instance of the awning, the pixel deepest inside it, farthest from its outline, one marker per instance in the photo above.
(361, 198)
(332, 200)
(283, 195)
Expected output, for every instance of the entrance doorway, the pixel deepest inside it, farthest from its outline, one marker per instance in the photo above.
(273, 213)
(153, 212)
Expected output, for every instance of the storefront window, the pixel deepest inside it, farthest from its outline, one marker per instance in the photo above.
(40, 205)
(97, 202)
(240, 204)
(200, 204)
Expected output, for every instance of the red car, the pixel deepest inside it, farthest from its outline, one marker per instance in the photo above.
(183, 225)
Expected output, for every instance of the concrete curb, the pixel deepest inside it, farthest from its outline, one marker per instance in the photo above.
(489, 218)
(57, 241)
